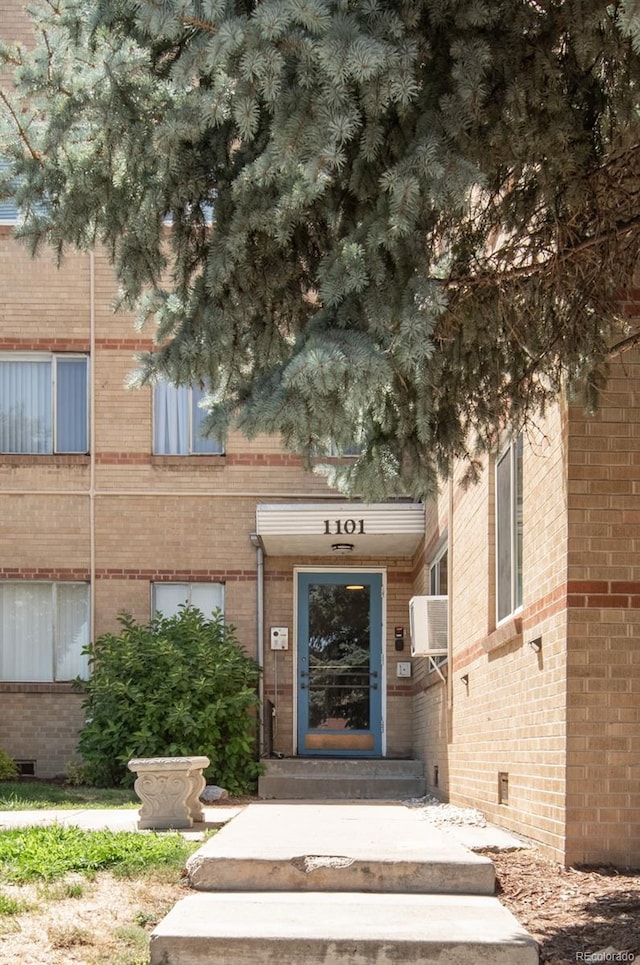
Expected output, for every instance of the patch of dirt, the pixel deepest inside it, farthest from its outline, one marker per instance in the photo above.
(107, 921)
(572, 913)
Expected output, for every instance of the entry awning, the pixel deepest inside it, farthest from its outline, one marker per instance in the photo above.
(340, 529)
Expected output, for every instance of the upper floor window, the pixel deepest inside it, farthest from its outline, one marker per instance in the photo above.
(10, 214)
(44, 628)
(509, 530)
(8, 211)
(438, 586)
(438, 575)
(8, 207)
(177, 422)
(333, 449)
(169, 597)
(44, 403)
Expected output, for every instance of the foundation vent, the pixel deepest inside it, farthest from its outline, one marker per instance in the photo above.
(503, 787)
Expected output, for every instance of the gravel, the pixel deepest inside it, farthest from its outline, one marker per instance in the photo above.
(435, 812)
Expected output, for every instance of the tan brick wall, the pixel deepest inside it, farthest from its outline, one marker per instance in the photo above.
(154, 518)
(510, 717)
(41, 726)
(15, 28)
(603, 704)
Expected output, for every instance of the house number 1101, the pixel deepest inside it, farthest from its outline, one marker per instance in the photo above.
(343, 527)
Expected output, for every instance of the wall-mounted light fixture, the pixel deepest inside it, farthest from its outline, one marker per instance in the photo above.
(465, 679)
(536, 645)
(342, 549)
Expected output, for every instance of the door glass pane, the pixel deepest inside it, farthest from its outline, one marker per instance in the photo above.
(339, 645)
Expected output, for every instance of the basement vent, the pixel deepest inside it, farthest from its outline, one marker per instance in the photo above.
(503, 787)
(435, 775)
(26, 768)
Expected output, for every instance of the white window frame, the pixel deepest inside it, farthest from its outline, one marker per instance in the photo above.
(82, 664)
(512, 539)
(53, 357)
(191, 428)
(188, 593)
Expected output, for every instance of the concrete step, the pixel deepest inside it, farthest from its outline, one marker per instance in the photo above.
(337, 848)
(311, 779)
(354, 929)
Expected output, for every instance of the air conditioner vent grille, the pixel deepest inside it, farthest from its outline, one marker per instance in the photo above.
(428, 619)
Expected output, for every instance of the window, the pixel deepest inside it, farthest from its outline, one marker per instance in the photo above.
(169, 597)
(509, 530)
(333, 449)
(438, 583)
(177, 422)
(43, 630)
(8, 211)
(10, 214)
(43, 403)
(438, 574)
(8, 207)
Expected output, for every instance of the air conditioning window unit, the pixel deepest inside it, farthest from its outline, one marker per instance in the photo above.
(428, 621)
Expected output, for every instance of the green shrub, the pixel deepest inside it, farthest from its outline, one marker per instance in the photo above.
(176, 687)
(8, 769)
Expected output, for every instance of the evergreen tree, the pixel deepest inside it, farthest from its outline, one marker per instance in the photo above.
(425, 210)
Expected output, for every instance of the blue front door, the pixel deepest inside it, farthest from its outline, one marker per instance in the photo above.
(340, 664)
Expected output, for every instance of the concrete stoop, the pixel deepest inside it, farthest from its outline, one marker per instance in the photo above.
(358, 884)
(349, 929)
(337, 848)
(322, 779)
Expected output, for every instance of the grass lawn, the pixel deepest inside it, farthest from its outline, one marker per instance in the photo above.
(30, 854)
(88, 897)
(31, 795)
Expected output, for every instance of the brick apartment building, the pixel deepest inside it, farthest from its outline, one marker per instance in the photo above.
(111, 501)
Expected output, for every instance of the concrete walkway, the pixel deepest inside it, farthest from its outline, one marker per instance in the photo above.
(343, 884)
(113, 819)
(489, 837)
(337, 847)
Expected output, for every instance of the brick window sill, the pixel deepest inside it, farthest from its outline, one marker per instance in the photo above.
(38, 687)
(57, 461)
(508, 632)
(190, 463)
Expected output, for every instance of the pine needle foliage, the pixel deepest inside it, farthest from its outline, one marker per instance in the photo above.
(425, 211)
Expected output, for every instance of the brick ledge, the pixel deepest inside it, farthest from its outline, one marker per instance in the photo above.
(507, 632)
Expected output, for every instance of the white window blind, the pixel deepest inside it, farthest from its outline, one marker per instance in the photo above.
(43, 629)
(169, 597)
(177, 421)
(44, 404)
